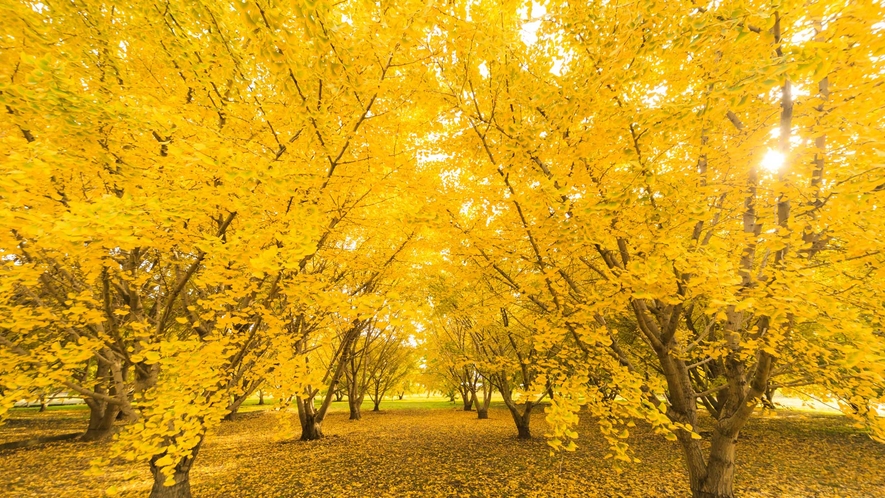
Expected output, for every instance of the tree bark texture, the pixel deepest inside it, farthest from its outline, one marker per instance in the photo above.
(355, 404)
(311, 430)
(182, 486)
(522, 420)
(468, 401)
(102, 416)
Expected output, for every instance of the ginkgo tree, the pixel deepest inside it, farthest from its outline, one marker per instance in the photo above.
(392, 364)
(159, 194)
(487, 348)
(629, 144)
(131, 266)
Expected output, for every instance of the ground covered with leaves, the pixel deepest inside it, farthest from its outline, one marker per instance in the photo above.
(438, 450)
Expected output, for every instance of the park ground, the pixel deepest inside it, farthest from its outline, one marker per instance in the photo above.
(432, 448)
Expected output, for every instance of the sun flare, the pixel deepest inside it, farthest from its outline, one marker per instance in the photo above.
(773, 161)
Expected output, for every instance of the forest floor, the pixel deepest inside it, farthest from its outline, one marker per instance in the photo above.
(435, 449)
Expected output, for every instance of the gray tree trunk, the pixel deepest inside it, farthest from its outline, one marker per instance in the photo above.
(182, 486)
(311, 430)
(522, 420)
(101, 421)
(355, 404)
(482, 407)
(468, 401)
(713, 478)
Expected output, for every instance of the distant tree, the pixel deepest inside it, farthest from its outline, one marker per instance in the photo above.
(390, 364)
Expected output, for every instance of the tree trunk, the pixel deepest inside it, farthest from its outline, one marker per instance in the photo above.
(523, 429)
(312, 418)
(482, 408)
(311, 421)
(768, 399)
(182, 486)
(355, 404)
(522, 420)
(468, 401)
(713, 477)
(233, 408)
(101, 421)
(377, 407)
(311, 430)
(238, 399)
(260, 397)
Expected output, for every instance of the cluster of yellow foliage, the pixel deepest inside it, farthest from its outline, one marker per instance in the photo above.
(677, 199)
(179, 182)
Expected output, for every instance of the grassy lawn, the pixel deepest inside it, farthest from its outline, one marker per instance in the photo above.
(429, 447)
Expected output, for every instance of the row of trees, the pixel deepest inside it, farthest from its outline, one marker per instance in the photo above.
(641, 211)
(474, 352)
